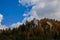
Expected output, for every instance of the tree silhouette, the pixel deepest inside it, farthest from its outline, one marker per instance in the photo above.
(28, 31)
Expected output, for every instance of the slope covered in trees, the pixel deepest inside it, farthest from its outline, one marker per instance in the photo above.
(28, 31)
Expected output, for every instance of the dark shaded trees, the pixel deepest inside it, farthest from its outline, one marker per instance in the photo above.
(26, 32)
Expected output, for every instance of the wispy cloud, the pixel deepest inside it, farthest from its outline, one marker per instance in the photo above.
(43, 8)
(1, 18)
(25, 14)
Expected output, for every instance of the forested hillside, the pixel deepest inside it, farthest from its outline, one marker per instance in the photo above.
(46, 29)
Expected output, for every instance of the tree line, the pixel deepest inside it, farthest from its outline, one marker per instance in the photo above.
(31, 31)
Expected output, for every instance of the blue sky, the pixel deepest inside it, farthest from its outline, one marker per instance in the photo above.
(15, 11)
(12, 11)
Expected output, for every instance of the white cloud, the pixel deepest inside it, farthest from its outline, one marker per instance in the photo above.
(28, 2)
(26, 14)
(27, 18)
(1, 17)
(15, 25)
(3, 27)
(43, 8)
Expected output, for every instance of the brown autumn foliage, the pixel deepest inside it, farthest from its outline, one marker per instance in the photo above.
(55, 23)
(26, 32)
